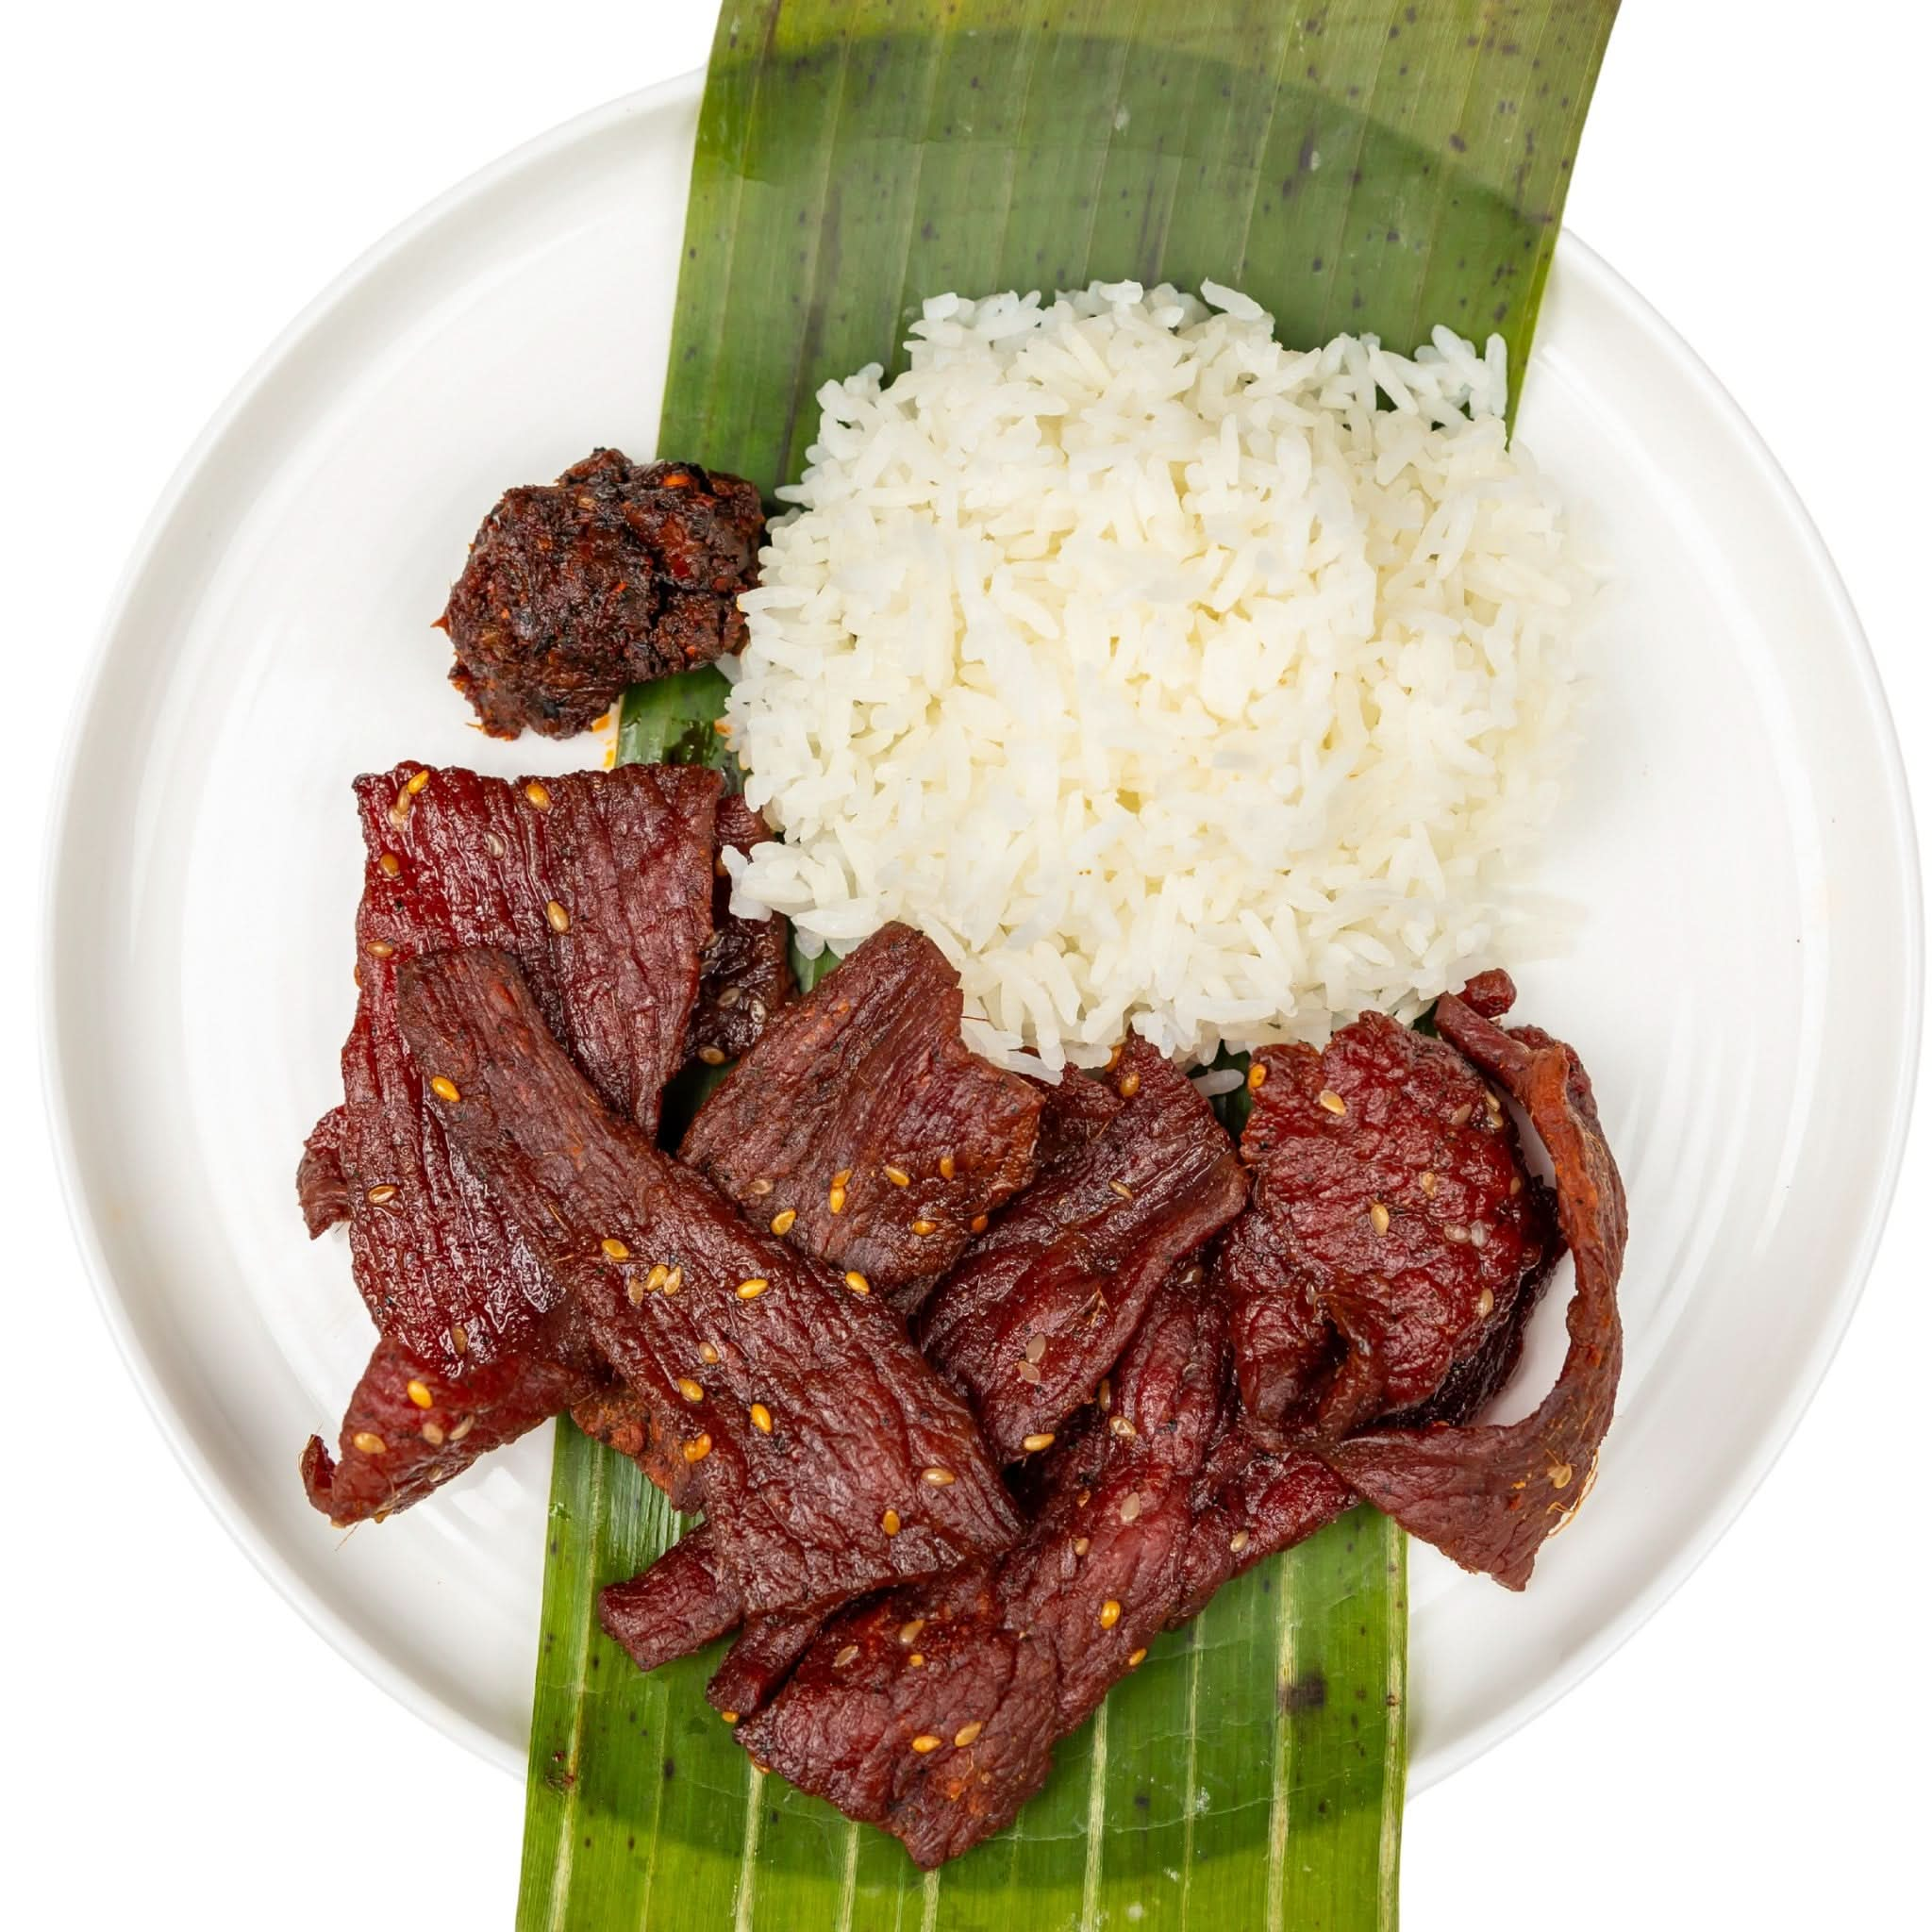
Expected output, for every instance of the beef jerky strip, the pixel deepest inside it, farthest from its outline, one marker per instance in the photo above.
(829, 1458)
(1044, 1302)
(684, 1601)
(933, 1711)
(1400, 1212)
(410, 1428)
(455, 858)
(1489, 1496)
(747, 974)
(862, 1129)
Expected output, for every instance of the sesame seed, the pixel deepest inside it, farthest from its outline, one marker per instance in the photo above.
(1036, 1348)
(856, 1282)
(923, 1227)
(1378, 1217)
(712, 1056)
(977, 1224)
(1130, 1085)
(1485, 1302)
(656, 1277)
(458, 1337)
(391, 864)
(636, 1289)
(1104, 1394)
(417, 782)
(967, 1734)
(1122, 1188)
(917, 1660)
(673, 1281)
(1237, 1542)
(1428, 1183)
(1130, 1509)
(947, 1169)
(925, 1742)
(419, 1394)
(462, 1429)
(1040, 1440)
(494, 845)
(615, 1248)
(890, 1523)
(445, 1089)
(1559, 1476)
(1331, 1101)
(898, 1176)
(781, 1222)
(1113, 1059)
(697, 1450)
(370, 1442)
(1515, 1184)
(1082, 1497)
(836, 1200)
(1456, 1233)
(376, 1196)
(1135, 1659)
(691, 1391)
(760, 1188)
(1081, 1545)
(1461, 1117)
(843, 1176)
(762, 1418)
(750, 1290)
(908, 1632)
(730, 1717)
(1478, 1234)
(538, 794)
(1492, 1101)
(937, 1477)
(845, 1656)
(558, 918)
(399, 809)
(380, 949)
(1026, 1372)
(432, 1434)
(708, 1353)
(1110, 1614)
(1257, 1077)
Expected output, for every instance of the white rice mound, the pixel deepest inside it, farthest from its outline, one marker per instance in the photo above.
(1167, 677)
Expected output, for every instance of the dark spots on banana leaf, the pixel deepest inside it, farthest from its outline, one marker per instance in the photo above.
(1301, 1695)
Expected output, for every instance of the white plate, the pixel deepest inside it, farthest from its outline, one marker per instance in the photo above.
(1744, 983)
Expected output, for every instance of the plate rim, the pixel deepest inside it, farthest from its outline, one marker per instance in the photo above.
(1888, 778)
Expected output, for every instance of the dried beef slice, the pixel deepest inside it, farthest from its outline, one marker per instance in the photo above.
(860, 1127)
(616, 574)
(747, 971)
(1045, 1300)
(1489, 1496)
(1398, 1212)
(600, 884)
(827, 1456)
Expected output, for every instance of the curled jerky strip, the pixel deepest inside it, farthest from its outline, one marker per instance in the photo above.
(1489, 1496)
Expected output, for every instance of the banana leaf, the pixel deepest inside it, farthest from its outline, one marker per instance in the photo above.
(1361, 164)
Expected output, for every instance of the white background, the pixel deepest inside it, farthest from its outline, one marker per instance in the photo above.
(179, 181)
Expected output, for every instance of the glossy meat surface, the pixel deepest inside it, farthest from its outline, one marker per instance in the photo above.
(827, 1457)
(1044, 1302)
(600, 885)
(1489, 1496)
(862, 1117)
(684, 1601)
(1402, 1214)
(932, 1713)
(747, 969)
(616, 574)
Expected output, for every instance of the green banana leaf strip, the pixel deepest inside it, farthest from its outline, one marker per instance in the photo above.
(1364, 165)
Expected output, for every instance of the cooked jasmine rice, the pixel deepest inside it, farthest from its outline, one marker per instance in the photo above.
(1169, 679)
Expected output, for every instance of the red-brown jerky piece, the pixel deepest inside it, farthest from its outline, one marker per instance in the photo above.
(1044, 1302)
(684, 1601)
(747, 974)
(1489, 1496)
(861, 1115)
(1393, 1175)
(806, 1412)
(616, 574)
